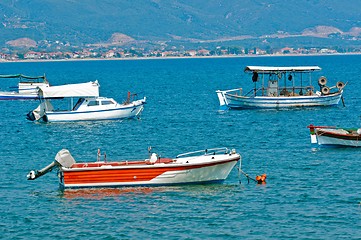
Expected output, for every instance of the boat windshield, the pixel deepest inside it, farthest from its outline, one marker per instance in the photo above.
(78, 103)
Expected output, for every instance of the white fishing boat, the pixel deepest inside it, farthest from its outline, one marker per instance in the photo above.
(83, 104)
(27, 87)
(199, 167)
(335, 136)
(278, 89)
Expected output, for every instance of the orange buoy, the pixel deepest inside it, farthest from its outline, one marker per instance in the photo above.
(261, 179)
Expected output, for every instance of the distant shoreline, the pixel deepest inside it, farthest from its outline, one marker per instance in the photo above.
(164, 58)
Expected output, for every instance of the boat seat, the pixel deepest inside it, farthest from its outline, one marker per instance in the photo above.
(164, 160)
(309, 93)
(160, 160)
(293, 94)
(284, 92)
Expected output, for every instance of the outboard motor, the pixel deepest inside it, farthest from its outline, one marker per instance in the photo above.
(30, 116)
(63, 158)
(39, 112)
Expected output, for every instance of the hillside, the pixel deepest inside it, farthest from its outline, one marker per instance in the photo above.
(179, 21)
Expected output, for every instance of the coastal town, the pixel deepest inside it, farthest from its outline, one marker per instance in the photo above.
(62, 51)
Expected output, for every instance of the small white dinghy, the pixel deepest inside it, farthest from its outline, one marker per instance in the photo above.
(88, 107)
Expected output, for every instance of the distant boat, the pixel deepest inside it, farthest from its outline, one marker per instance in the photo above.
(335, 136)
(85, 104)
(274, 91)
(199, 167)
(26, 89)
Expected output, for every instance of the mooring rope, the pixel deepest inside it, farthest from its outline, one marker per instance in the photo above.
(245, 174)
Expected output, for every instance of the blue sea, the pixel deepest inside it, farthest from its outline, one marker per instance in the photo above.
(311, 192)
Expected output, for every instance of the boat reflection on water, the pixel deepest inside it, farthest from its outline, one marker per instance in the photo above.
(101, 193)
(184, 190)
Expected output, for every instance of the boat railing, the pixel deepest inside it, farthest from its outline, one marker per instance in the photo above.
(291, 91)
(132, 97)
(283, 91)
(235, 91)
(211, 151)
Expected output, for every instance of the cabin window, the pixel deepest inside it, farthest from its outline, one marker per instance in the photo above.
(107, 102)
(93, 103)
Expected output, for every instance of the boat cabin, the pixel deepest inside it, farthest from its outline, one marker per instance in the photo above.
(283, 81)
(89, 103)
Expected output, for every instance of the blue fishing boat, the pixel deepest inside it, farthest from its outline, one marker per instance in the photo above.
(27, 87)
(279, 90)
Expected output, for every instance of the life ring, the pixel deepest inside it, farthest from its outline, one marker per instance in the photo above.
(322, 81)
(340, 85)
(325, 90)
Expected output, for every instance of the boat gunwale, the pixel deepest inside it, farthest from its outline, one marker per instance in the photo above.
(346, 136)
(234, 157)
(94, 111)
(304, 97)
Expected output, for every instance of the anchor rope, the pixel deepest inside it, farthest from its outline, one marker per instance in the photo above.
(245, 174)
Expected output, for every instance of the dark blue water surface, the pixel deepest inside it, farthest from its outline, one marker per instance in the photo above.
(311, 193)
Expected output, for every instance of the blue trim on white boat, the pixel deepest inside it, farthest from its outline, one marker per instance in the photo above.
(282, 102)
(77, 112)
(91, 120)
(18, 97)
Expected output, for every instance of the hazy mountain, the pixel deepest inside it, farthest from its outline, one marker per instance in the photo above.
(181, 21)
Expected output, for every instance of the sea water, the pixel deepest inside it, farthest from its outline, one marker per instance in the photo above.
(311, 192)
